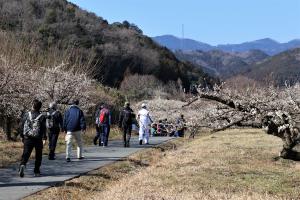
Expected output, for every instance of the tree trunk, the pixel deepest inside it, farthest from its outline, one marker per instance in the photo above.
(8, 127)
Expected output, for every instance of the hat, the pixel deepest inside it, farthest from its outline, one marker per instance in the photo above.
(126, 104)
(53, 105)
(144, 105)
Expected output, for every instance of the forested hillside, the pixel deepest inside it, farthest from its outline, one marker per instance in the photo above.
(280, 69)
(223, 64)
(114, 49)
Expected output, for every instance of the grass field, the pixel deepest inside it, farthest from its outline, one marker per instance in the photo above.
(11, 151)
(234, 164)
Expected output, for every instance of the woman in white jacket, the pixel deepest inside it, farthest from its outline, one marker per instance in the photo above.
(144, 123)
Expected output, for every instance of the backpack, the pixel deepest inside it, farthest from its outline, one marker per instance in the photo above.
(104, 116)
(50, 123)
(127, 119)
(32, 127)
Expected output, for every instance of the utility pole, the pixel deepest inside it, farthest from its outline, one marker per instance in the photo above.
(182, 37)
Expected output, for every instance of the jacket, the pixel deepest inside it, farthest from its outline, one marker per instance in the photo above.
(122, 122)
(144, 118)
(74, 119)
(42, 133)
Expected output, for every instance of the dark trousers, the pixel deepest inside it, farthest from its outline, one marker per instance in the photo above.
(102, 133)
(29, 144)
(126, 134)
(52, 136)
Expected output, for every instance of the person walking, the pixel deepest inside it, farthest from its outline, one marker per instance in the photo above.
(54, 123)
(144, 124)
(125, 122)
(181, 126)
(103, 119)
(74, 125)
(33, 134)
(98, 131)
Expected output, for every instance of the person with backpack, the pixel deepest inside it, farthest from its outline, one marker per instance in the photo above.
(74, 125)
(54, 123)
(34, 132)
(126, 119)
(180, 126)
(144, 124)
(98, 131)
(103, 120)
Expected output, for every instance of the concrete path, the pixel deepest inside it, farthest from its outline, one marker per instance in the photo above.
(58, 171)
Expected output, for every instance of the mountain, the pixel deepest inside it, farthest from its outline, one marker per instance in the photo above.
(174, 43)
(116, 50)
(278, 69)
(266, 45)
(220, 63)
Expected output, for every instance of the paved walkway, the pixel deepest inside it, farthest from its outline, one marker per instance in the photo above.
(58, 171)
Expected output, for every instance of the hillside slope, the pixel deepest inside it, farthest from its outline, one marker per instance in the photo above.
(115, 49)
(222, 64)
(280, 68)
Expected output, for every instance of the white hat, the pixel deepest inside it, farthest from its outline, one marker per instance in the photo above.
(53, 105)
(144, 105)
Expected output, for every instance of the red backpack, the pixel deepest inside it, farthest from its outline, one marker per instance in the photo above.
(104, 116)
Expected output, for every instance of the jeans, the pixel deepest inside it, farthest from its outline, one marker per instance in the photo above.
(52, 136)
(29, 144)
(68, 139)
(102, 133)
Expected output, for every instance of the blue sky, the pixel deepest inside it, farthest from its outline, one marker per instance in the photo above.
(210, 21)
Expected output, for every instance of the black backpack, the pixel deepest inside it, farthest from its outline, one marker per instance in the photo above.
(127, 119)
(50, 121)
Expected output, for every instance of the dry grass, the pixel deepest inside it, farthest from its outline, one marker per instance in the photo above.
(97, 181)
(235, 164)
(11, 152)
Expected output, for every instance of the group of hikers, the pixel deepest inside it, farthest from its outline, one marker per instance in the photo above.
(38, 126)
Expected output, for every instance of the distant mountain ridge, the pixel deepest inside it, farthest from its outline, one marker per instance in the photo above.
(281, 69)
(223, 64)
(267, 45)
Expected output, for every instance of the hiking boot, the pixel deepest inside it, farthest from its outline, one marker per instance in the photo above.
(81, 158)
(51, 157)
(141, 142)
(21, 170)
(68, 160)
(95, 141)
(37, 174)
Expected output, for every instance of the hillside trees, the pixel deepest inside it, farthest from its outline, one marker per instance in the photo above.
(274, 109)
(24, 78)
(121, 47)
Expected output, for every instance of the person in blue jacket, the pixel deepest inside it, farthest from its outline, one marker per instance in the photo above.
(74, 126)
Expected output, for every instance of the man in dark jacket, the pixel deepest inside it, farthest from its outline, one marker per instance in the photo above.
(33, 134)
(103, 122)
(54, 124)
(74, 125)
(98, 131)
(125, 122)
